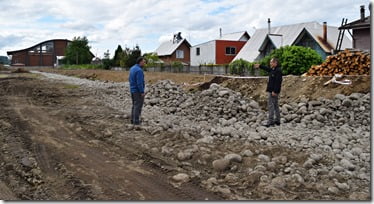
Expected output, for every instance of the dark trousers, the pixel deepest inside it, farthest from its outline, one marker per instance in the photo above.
(137, 105)
(273, 107)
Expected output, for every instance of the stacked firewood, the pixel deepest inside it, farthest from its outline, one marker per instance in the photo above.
(347, 62)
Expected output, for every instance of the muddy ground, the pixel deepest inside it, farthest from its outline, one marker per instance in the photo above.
(52, 149)
(59, 142)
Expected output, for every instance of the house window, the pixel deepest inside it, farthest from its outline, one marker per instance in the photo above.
(197, 51)
(230, 50)
(180, 54)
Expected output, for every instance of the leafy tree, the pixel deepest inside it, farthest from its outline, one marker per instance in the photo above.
(132, 55)
(294, 59)
(78, 51)
(152, 59)
(239, 66)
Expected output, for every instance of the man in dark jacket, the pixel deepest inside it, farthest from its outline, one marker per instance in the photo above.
(137, 85)
(274, 88)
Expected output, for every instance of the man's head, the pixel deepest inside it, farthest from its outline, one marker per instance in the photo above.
(140, 61)
(274, 62)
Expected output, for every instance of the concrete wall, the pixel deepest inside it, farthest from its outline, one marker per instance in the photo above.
(207, 54)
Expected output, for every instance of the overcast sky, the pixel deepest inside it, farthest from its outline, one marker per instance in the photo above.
(109, 23)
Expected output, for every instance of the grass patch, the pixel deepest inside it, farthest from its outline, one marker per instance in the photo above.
(82, 66)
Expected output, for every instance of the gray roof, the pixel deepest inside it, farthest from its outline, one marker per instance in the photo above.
(290, 33)
(168, 47)
(234, 36)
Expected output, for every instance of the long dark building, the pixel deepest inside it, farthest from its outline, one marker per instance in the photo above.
(42, 54)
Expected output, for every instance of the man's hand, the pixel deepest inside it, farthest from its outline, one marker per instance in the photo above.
(256, 66)
(273, 93)
(143, 94)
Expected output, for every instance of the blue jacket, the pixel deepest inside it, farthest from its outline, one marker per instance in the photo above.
(136, 79)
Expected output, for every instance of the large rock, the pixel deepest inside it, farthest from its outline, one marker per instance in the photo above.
(181, 177)
(221, 164)
(347, 164)
(233, 158)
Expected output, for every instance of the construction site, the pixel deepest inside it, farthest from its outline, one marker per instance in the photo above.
(66, 135)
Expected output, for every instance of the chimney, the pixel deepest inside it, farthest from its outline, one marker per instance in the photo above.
(362, 12)
(269, 31)
(220, 33)
(325, 31)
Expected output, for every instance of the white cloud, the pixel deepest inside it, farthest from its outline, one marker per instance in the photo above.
(149, 22)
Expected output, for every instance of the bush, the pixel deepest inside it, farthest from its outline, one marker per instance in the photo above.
(176, 65)
(294, 60)
(239, 66)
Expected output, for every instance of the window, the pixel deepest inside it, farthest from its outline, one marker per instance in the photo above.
(230, 50)
(180, 54)
(197, 51)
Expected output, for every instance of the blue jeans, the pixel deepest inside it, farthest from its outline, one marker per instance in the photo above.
(137, 105)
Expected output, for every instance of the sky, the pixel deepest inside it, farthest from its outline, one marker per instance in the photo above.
(147, 23)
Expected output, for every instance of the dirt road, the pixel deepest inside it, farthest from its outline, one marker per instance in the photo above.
(53, 149)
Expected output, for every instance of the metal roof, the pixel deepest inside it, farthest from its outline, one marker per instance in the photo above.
(357, 24)
(237, 36)
(168, 47)
(290, 33)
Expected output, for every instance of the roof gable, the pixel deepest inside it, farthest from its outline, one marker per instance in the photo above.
(168, 47)
(290, 35)
(237, 36)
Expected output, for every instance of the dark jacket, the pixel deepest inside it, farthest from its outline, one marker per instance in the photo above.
(275, 79)
(136, 79)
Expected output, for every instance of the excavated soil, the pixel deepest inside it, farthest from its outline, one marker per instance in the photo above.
(59, 142)
(53, 149)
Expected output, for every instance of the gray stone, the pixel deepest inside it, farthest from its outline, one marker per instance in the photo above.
(333, 190)
(340, 97)
(279, 182)
(181, 177)
(247, 153)
(253, 104)
(347, 103)
(223, 93)
(207, 140)
(347, 164)
(27, 162)
(342, 186)
(221, 164)
(186, 155)
(233, 158)
(264, 158)
(355, 96)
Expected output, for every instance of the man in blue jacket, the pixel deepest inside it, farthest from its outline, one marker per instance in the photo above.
(274, 88)
(137, 85)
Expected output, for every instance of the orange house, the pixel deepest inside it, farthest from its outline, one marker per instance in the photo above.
(219, 51)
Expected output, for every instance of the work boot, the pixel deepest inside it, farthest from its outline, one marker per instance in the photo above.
(268, 125)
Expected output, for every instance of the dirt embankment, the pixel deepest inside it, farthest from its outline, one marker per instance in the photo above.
(295, 88)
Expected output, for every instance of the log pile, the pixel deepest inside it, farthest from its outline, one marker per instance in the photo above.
(347, 62)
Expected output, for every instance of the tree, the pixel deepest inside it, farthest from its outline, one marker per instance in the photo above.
(118, 55)
(152, 59)
(294, 59)
(106, 60)
(132, 55)
(78, 51)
